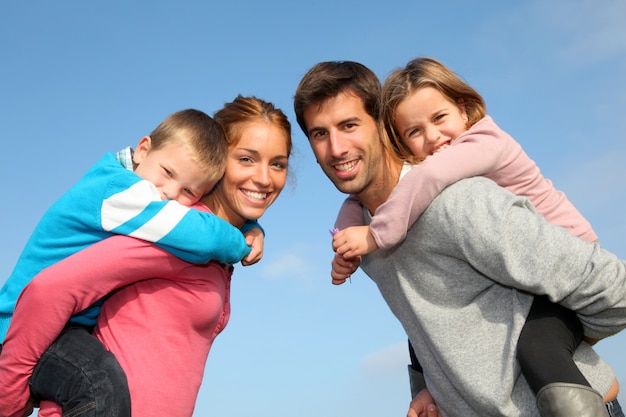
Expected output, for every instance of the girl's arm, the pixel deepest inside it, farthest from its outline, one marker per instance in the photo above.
(66, 288)
(478, 151)
(350, 214)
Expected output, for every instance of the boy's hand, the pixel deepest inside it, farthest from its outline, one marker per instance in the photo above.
(342, 268)
(255, 239)
(354, 241)
(423, 405)
(30, 407)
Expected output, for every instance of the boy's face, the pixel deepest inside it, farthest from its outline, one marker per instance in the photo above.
(173, 171)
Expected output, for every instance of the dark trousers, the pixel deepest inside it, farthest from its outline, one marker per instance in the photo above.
(547, 343)
(80, 375)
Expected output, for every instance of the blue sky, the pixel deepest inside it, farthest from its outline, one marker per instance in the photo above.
(79, 79)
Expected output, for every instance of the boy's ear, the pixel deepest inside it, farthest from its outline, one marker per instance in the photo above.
(143, 147)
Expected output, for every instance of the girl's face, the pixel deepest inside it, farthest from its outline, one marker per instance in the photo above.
(256, 172)
(427, 121)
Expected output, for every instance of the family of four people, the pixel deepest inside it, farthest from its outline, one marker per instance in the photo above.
(497, 279)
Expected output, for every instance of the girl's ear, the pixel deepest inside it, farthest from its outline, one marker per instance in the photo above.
(143, 147)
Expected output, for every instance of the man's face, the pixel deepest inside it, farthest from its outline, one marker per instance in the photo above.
(345, 141)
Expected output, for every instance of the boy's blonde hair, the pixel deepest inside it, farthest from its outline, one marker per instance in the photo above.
(420, 73)
(201, 133)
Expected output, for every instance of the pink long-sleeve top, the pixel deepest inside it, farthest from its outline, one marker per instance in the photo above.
(483, 150)
(160, 330)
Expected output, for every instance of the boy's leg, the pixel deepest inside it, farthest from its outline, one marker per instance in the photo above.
(80, 375)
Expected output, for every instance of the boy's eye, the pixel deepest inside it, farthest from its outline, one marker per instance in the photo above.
(168, 172)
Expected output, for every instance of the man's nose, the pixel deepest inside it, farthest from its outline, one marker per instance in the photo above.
(336, 144)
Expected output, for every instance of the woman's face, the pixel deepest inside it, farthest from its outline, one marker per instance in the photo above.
(256, 172)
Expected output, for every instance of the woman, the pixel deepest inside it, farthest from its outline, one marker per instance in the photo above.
(161, 329)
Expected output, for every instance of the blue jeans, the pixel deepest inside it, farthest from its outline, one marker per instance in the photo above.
(80, 375)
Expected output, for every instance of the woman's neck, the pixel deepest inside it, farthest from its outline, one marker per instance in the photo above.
(219, 207)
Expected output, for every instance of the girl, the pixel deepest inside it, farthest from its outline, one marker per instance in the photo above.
(439, 123)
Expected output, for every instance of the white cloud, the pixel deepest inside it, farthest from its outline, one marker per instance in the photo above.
(287, 265)
(391, 359)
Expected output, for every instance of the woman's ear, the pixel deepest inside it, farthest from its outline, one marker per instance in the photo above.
(142, 149)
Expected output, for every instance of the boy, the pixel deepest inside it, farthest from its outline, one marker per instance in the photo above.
(177, 164)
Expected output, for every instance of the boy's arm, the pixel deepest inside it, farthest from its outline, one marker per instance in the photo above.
(66, 288)
(192, 235)
(474, 153)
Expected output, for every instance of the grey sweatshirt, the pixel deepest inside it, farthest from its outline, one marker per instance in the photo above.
(461, 284)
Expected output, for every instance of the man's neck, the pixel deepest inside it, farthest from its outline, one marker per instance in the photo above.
(378, 192)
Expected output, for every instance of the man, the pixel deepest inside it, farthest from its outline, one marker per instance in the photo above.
(461, 283)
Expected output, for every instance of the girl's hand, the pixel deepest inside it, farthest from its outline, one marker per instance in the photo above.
(354, 241)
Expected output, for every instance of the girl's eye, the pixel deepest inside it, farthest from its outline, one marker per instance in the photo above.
(414, 132)
(168, 172)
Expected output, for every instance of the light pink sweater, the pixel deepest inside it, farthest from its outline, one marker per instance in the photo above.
(483, 150)
(161, 330)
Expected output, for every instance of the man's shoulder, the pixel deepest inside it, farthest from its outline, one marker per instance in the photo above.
(469, 197)
(467, 187)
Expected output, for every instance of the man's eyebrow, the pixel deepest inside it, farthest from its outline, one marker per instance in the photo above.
(351, 119)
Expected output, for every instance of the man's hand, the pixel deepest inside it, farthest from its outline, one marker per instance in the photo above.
(342, 268)
(423, 405)
(255, 239)
(354, 241)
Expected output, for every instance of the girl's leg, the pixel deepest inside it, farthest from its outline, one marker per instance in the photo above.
(547, 343)
(545, 353)
(80, 375)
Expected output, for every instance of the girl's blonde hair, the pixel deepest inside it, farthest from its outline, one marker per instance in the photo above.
(420, 73)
